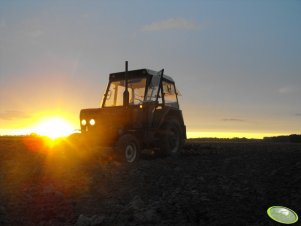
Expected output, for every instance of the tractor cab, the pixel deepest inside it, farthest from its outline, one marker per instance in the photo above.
(143, 87)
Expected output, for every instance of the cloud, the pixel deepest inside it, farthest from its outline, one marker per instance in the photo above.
(298, 114)
(233, 120)
(2, 24)
(35, 33)
(172, 23)
(286, 90)
(9, 115)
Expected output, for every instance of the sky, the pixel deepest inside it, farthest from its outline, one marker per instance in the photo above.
(236, 63)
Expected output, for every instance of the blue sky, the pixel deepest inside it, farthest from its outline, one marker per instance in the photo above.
(236, 63)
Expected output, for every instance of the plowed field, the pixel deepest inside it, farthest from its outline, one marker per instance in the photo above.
(212, 183)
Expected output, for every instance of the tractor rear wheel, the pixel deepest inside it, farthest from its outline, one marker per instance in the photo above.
(128, 148)
(171, 140)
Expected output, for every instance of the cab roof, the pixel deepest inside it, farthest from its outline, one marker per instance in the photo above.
(138, 73)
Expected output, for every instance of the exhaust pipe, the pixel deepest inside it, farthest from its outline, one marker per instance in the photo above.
(126, 92)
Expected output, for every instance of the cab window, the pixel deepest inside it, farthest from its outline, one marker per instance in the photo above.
(170, 95)
(136, 88)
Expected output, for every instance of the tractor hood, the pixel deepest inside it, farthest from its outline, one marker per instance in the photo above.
(103, 123)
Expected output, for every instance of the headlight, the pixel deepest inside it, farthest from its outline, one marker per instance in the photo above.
(92, 122)
(84, 122)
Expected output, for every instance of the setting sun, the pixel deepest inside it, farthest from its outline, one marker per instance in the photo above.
(54, 127)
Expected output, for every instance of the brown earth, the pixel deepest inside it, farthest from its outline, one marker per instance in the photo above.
(212, 183)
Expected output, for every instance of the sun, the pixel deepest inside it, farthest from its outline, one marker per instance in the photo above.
(54, 128)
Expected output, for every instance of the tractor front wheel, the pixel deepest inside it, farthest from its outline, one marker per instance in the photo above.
(171, 140)
(128, 148)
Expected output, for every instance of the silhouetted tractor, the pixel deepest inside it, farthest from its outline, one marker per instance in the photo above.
(139, 112)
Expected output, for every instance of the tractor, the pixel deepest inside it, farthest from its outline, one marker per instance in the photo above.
(139, 112)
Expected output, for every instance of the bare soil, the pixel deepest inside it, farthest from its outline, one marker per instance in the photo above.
(211, 183)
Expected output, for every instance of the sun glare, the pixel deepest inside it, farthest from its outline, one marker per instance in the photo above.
(54, 128)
